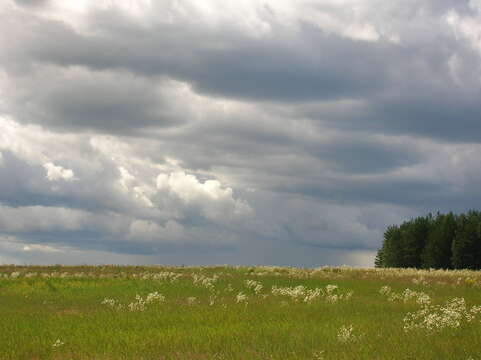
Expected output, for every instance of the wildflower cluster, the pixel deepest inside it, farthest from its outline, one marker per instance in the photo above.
(242, 298)
(155, 297)
(138, 305)
(331, 295)
(115, 304)
(435, 318)
(298, 293)
(417, 276)
(57, 343)
(420, 281)
(15, 275)
(191, 300)
(346, 334)
(254, 285)
(205, 281)
(295, 293)
(169, 276)
(212, 299)
(407, 295)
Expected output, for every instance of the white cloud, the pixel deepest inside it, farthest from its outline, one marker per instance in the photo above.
(252, 18)
(37, 145)
(55, 173)
(117, 194)
(215, 201)
(466, 27)
(41, 248)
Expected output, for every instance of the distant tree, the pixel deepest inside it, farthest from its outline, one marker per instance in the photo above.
(438, 251)
(440, 242)
(390, 254)
(414, 236)
(466, 248)
(379, 259)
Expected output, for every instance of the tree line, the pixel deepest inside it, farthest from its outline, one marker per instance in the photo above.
(441, 241)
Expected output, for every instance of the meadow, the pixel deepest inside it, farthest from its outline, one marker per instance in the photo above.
(230, 312)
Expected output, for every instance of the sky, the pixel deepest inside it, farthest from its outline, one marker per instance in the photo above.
(251, 132)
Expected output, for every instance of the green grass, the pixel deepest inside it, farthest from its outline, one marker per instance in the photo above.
(35, 311)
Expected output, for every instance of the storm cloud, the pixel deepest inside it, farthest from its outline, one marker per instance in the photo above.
(247, 132)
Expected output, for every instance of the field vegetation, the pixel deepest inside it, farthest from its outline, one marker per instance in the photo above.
(226, 312)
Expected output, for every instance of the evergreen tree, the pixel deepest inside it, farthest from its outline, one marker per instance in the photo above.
(467, 242)
(444, 242)
(379, 260)
(392, 252)
(437, 253)
(414, 236)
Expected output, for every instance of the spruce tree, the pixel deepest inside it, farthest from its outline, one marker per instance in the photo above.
(437, 253)
(467, 242)
(392, 253)
(444, 242)
(414, 236)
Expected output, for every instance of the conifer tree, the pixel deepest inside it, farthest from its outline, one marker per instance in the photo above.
(437, 253)
(414, 236)
(467, 242)
(392, 253)
(444, 242)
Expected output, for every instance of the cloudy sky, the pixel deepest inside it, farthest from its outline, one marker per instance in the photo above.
(272, 132)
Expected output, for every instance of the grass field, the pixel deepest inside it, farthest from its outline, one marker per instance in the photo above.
(224, 312)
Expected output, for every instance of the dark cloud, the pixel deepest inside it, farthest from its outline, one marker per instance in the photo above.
(452, 118)
(321, 66)
(366, 157)
(112, 102)
(372, 190)
(407, 87)
(288, 133)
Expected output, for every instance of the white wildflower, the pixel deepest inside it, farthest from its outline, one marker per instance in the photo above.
(254, 285)
(312, 295)
(385, 290)
(309, 295)
(318, 355)
(407, 295)
(331, 288)
(241, 297)
(435, 318)
(346, 334)
(332, 299)
(58, 343)
(347, 295)
(165, 276)
(191, 300)
(112, 303)
(155, 296)
(205, 281)
(138, 305)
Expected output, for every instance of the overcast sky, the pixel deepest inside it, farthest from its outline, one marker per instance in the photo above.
(272, 132)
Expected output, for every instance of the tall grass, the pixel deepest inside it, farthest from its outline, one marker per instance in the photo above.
(61, 313)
